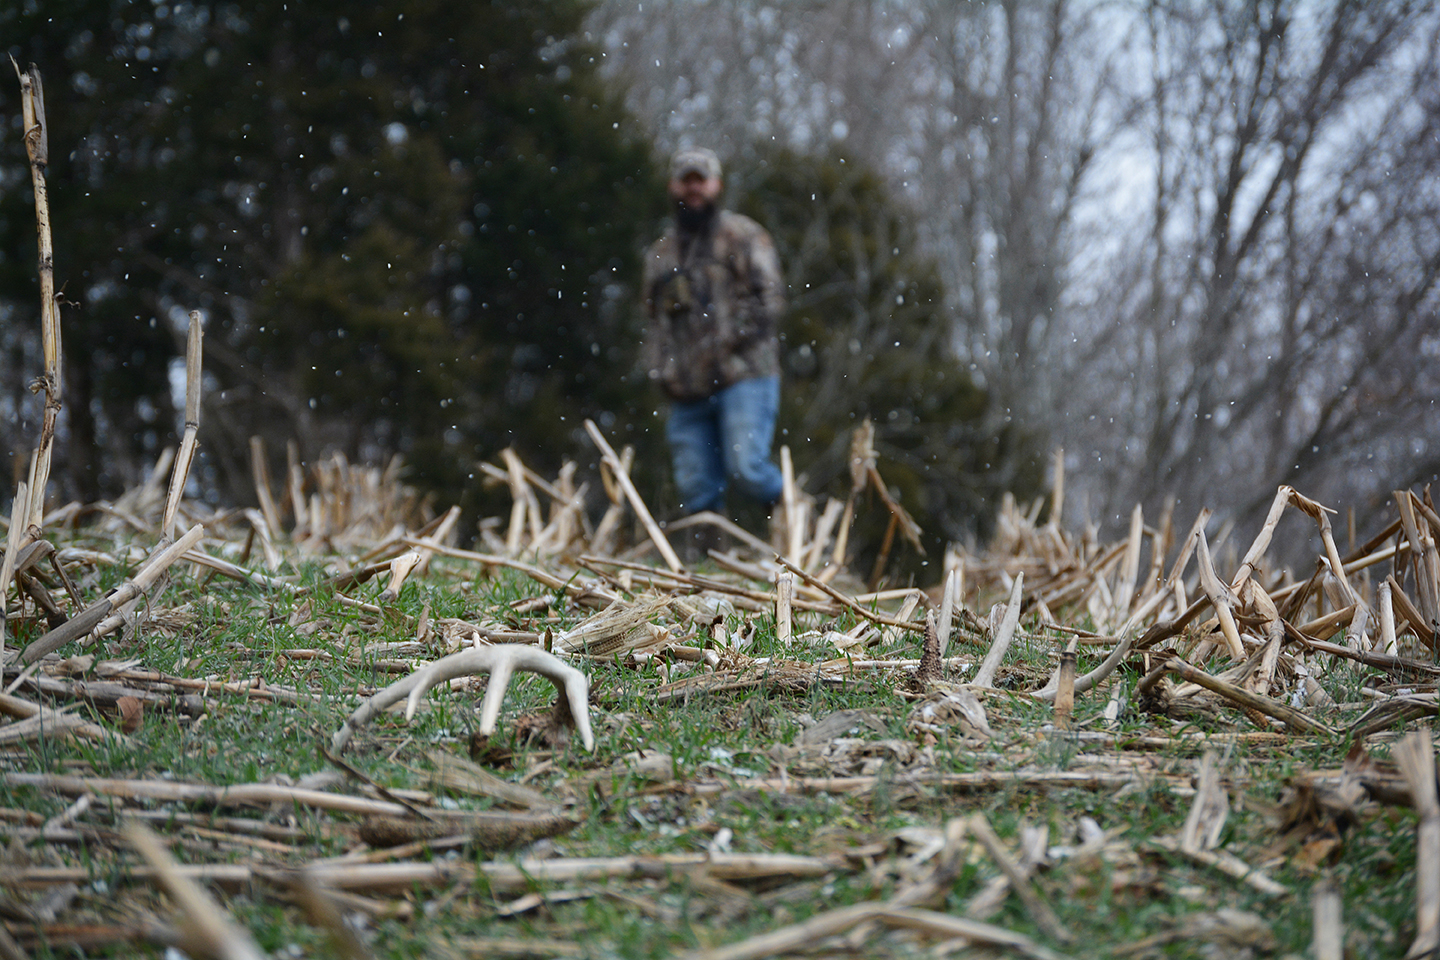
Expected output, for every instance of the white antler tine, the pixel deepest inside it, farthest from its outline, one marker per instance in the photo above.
(571, 685)
(500, 673)
(425, 678)
(577, 694)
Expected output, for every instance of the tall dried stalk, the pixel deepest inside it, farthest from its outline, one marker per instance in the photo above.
(1222, 598)
(181, 474)
(1416, 758)
(862, 452)
(29, 507)
(32, 102)
(12, 550)
(1129, 566)
(636, 503)
(260, 468)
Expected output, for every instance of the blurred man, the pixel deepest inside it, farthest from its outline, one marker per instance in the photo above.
(713, 300)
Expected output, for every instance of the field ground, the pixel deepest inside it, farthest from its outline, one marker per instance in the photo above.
(763, 782)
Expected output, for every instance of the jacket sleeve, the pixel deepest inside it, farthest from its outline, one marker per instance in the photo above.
(758, 311)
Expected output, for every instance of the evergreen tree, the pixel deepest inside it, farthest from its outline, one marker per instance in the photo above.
(412, 227)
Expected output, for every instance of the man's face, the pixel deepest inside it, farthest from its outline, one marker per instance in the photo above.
(695, 190)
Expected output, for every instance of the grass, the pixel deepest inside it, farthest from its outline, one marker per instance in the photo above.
(1116, 893)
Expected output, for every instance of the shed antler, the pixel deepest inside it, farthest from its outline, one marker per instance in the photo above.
(500, 661)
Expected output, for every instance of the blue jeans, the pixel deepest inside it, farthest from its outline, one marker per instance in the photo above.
(723, 437)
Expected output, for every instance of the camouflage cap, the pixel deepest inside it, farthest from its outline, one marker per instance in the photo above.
(694, 160)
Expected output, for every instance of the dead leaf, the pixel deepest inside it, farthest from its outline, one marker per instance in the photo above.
(132, 713)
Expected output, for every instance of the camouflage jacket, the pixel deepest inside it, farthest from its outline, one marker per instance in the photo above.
(713, 301)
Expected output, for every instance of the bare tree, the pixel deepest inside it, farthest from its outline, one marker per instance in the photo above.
(1006, 135)
(1266, 320)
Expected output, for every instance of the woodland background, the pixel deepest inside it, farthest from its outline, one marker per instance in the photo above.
(1195, 244)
